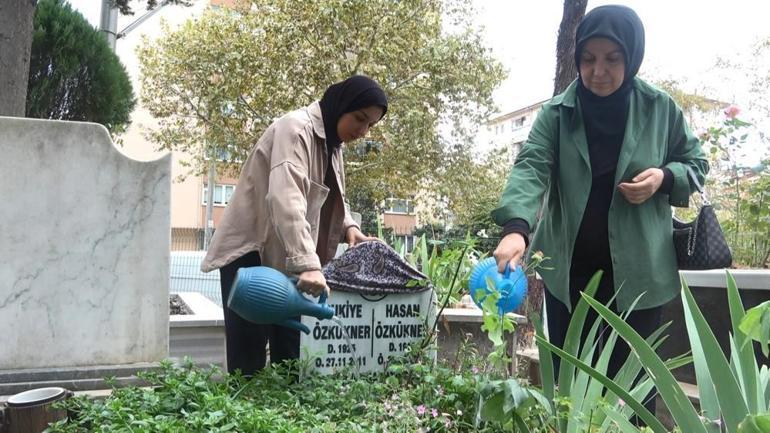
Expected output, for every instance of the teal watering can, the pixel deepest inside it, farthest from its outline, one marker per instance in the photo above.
(266, 296)
(512, 285)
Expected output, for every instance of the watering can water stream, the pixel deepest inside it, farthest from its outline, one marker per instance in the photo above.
(264, 295)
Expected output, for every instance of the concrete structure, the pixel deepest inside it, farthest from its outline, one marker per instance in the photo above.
(509, 129)
(200, 335)
(85, 249)
(379, 326)
(188, 209)
(400, 216)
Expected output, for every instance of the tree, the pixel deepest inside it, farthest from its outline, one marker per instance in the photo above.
(566, 71)
(691, 103)
(73, 74)
(124, 7)
(217, 83)
(15, 47)
(15, 43)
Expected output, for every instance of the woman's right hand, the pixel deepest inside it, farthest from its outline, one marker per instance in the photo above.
(509, 251)
(313, 283)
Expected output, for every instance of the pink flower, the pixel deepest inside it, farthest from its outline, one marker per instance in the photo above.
(434, 412)
(621, 402)
(732, 111)
(421, 410)
(475, 370)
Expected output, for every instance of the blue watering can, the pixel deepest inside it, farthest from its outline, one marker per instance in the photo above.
(266, 296)
(512, 285)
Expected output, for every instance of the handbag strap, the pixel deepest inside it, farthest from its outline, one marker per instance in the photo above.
(698, 186)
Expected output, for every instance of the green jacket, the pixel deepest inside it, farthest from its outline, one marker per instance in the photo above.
(555, 160)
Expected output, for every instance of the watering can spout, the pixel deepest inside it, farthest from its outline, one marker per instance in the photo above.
(295, 324)
(264, 295)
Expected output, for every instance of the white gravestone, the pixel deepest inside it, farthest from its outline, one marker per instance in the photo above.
(84, 230)
(380, 327)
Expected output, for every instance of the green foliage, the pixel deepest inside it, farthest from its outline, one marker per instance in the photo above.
(471, 188)
(733, 394)
(412, 395)
(125, 7)
(210, 91)
(689, 102)
(486, 237)
(756, 325)
(741, 193)
(448, 265)
(583, 397)
(73, 74)
(755, 424)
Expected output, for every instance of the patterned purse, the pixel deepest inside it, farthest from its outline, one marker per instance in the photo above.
(700, 244)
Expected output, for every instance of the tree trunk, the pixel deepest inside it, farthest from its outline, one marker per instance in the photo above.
(566, 71)
(15, 46)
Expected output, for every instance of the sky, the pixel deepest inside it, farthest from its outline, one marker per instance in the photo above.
(684, 38)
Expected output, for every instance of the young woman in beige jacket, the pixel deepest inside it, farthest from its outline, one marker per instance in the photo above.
(289, 210)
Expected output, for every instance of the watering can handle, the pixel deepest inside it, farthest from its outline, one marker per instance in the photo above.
(507, 271)
(321, 299)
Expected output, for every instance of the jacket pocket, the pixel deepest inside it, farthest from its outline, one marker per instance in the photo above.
(316, 197)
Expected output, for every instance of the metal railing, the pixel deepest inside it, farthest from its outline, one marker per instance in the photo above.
(186, 256)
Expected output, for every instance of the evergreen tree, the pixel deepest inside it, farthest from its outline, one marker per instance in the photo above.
(73, 74)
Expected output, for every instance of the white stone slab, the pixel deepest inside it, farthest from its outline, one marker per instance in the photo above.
(746, 279)
(474, 315)
(380, 327)
(84, 236)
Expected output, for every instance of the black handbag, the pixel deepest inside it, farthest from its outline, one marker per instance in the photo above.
(700, 244)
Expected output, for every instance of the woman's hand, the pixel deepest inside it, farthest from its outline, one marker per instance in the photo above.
(509, 251)
(313, 283)
(643, 186)
(354, 236)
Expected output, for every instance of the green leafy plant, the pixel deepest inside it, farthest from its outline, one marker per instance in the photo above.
(582, 397)
(733, 395)
(412, 395)
(741, 192)
(439, 260)
(496, 324)
(756, 325)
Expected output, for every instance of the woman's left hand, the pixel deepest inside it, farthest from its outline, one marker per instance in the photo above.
(643, 186)
(354, 236)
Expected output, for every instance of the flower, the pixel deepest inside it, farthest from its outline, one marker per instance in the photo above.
(421, 410)
(459, 412)
(434, 412)
(475, 370)
(732, 111)
(621, 402)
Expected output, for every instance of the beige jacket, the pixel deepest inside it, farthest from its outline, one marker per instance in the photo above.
(276, 206)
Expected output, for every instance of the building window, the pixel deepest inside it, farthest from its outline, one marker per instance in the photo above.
(407, 241)
(397, 205)
(222, 194)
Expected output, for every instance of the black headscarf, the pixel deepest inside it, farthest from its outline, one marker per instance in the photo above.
(605, 117)
(347, 96)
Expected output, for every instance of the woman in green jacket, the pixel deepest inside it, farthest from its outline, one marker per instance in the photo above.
(611, 155)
